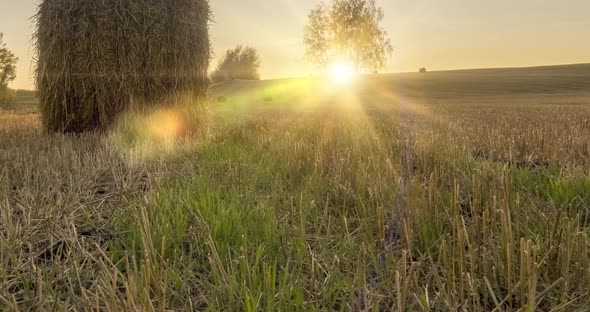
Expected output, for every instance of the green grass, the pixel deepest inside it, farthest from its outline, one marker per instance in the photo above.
(389, 196)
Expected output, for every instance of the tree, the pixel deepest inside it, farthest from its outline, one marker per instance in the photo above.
(7, 65)
(238, 63)
(347, 31)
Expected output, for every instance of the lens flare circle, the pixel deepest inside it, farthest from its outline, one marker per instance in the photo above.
(167, 125)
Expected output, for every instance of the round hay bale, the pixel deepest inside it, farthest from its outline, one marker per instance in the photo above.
(96, 59)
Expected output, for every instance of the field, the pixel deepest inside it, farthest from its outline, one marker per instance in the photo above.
(24, 102)
(445, 191)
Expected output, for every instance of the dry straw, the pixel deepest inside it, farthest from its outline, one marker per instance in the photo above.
(98, 58)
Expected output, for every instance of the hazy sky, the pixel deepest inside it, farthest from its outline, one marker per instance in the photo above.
(436, 34)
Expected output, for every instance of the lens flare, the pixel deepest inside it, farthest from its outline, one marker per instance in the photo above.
(167, 125)
(342, 73)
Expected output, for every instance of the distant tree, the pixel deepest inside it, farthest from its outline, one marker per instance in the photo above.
(238, 63)
(423, 70)
(349, 31)
(7, 69)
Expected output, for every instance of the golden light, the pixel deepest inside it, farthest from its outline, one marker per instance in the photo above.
(342, 73)
(167, 125)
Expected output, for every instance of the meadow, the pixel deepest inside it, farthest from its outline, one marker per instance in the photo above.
(445, 191)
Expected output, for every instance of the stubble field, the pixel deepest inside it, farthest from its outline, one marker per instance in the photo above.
(448, 191)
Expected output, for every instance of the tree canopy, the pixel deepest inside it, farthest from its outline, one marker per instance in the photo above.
(347, 31)
(7, 71)
(7, 65)
(238, 63)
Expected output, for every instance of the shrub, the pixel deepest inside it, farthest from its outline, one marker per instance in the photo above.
(239, 63)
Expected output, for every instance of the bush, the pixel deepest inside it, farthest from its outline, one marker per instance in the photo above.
(238, 63)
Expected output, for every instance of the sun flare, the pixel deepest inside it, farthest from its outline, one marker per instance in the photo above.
(167, 125)
(342, 73)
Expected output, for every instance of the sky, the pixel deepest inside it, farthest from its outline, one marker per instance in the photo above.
(436, 34)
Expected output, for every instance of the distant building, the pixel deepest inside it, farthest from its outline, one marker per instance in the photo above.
(423, 70)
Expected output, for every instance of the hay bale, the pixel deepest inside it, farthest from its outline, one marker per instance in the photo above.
(97, 59)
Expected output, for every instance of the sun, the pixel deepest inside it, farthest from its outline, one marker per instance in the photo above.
(342, 73)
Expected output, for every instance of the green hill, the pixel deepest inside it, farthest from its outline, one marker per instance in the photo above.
(548, 84)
